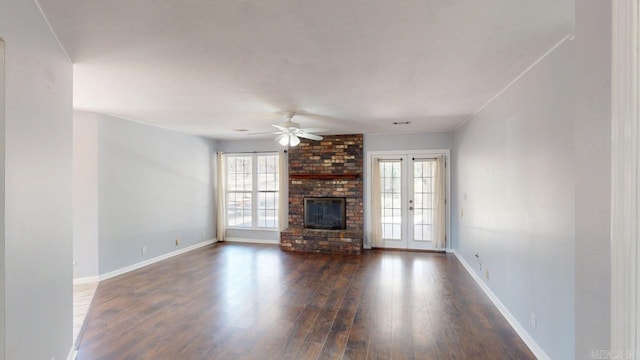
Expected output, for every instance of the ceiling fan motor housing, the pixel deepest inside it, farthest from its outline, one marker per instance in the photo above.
(290, 125)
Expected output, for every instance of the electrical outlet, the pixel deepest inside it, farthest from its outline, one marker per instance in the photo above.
(177, 241)
(461, 212)
(144, 250)
(534, 320)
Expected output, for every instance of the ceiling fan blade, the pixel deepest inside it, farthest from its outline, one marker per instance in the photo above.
(314, 130)
(265, 132)
(309, 136)
(283, 129)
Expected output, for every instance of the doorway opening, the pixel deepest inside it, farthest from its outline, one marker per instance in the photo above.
(408, 204)
(2, 196)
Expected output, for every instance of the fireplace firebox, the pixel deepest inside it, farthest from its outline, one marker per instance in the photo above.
(327, 213)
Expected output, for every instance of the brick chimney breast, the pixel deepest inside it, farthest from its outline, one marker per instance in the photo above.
(332, 167)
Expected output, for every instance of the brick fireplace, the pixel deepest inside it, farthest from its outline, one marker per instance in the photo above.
(331, 168)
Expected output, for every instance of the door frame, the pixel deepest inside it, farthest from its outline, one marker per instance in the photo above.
(625, 186)
(367, 187)
(3, 315)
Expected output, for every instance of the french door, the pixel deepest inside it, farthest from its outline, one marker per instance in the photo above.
(408, 201)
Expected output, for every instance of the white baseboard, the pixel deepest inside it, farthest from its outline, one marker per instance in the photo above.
(141, 264)
(73, 354)
(86, 280)
(253, 241)
(524, 335)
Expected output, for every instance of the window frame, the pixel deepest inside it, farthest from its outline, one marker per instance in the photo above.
(254, 191)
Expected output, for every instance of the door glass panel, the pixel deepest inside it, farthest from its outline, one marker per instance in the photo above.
(391, 192)
(423, 200)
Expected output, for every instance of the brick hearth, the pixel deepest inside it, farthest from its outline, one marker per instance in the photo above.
(332, 167)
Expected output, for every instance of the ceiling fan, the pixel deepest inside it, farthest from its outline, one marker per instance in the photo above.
(290, 132)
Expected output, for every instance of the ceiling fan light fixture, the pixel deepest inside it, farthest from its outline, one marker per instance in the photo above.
(283, 139)
(293, 140)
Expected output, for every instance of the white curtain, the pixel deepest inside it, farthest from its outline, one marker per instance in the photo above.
(376, 205)
(283, 191)
(221, 203)
(439, 213)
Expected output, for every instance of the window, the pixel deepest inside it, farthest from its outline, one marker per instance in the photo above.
(252, 191)
(267, 191)
(424, 198)
(391, 192)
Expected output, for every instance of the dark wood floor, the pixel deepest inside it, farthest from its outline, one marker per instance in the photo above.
(237, 301)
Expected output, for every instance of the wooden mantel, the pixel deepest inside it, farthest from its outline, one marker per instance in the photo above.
(325, 176)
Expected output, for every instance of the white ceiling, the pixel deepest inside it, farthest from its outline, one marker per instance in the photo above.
(354, 66)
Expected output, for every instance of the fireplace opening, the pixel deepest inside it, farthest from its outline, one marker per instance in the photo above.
(326, 213)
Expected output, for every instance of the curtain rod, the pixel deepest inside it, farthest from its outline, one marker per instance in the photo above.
(429, 158)
(250, 152)
(413, 158)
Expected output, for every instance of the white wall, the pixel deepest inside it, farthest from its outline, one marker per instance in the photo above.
(248, 145)
(38, 187)
(392, 142)
(514, 165)
(2, 204)
(85, 195)
(154, 185)
(553, 123)
(592, 125)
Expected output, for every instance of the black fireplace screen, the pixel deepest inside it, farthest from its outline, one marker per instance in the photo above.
(325, 213)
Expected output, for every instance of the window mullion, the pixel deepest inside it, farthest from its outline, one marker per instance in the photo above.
(254, 188)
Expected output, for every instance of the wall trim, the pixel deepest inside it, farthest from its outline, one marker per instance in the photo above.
(2, 201)
(46, 20)
(86, 280)
(524, 335)
(625, 181)
(73, 354)
(253, 241)
(567, 37)
(154, 260)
